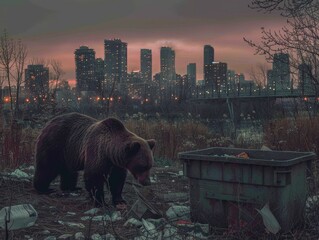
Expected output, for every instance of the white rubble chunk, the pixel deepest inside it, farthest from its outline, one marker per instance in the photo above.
(45, 232)
(85, 218)
(133, 222)
(79, 236)
(71, 213)
(92, 211)
(108, 236)
(19, 174)
(116, 216)
(50, 238)
(96, 236)
(178, 212)
(149, 231)
(72, 224)
(170, 233)
(65, 236)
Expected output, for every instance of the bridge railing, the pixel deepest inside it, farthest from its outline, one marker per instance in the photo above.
(205, 93)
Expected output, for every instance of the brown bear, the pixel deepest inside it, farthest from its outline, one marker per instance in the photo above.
(105, 150)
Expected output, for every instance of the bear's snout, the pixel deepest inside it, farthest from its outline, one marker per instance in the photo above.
(143, 179)
(145, 182)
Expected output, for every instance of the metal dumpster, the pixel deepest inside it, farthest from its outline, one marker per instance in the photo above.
(226, 190)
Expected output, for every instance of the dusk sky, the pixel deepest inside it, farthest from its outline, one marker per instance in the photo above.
(54, 29)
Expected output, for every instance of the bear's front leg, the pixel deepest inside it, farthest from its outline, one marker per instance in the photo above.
(116, 182)
(94, 184)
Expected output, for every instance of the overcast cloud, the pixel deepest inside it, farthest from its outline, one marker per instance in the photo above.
(54, 29)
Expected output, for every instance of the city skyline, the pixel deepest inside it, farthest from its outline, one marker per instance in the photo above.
(56, 30)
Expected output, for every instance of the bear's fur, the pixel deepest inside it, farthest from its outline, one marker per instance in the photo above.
(103, 149)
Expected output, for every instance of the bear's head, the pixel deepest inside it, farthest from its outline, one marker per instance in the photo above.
(136, 153)
(140, 159)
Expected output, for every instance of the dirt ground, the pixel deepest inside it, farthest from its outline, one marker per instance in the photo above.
(70, 207)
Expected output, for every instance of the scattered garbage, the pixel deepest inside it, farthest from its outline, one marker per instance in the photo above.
(104, 237)
(108, 236)
(45, 232)
(92, 211)
(72, 224)
(79, 236)
(96, 236)
(311, 208)
(19, 174)
(170, 232)
(71, 213)
(74, 194)
(243, 155)
(115, 216)
(269, 219)
(86, 218)
(157, 222)
(149, 231)
(65, 236)
(50, 238)
(133, 222)
(196, 235)
(143, 209)
(153, 179)
(18, 216)
(174, 197)
(101, 218)
(265, 148)
(178, 212)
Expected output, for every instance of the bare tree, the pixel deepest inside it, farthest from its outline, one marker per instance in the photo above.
(48, 93)
(13, 54)
(258, 74)
(56, 80)
(299, 38)
(7, 58)
(20, 56)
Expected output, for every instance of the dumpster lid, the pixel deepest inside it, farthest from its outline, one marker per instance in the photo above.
(256, 157)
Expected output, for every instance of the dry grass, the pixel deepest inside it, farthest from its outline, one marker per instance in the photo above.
(16, 145)
(300, 134)
(174, 137)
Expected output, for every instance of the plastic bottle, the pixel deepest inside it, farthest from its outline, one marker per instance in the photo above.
(18, 216)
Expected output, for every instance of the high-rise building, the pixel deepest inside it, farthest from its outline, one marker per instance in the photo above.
(217, 76)
(85, 69)
(304, 74)
(281, 72)
(146, 65)
(191, 75)
(167, 64)
(271, 83)
(208, 61)
(208, 55)
(99, 75)
(115, 62)
(37, 82)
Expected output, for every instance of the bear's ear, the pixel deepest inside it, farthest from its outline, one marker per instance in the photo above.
(113, 124)
(151, 143)
(132, 148)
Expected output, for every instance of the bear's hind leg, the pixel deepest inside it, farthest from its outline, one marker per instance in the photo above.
(68, 181)
(116, 182)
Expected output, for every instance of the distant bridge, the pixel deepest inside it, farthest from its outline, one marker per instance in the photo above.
(253, 94)
(233, 98)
